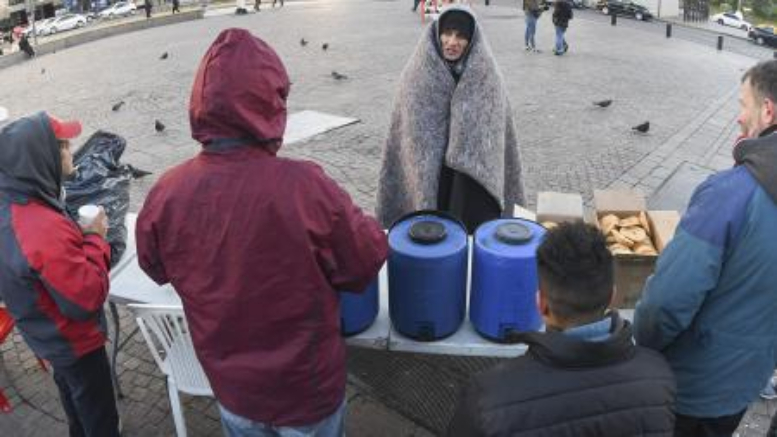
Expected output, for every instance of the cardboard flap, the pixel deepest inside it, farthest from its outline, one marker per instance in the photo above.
(559, 207)
(664, 225)
(521, 212)
(606, 201)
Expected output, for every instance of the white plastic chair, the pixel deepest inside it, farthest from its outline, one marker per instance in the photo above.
(164, 327)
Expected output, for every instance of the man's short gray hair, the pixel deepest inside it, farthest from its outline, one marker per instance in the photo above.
(763, 79)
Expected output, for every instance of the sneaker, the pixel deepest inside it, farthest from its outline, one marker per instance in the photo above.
(768, 392)
(529, 48)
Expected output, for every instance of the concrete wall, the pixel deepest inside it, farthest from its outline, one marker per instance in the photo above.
(103, 32)
(4, 11)
(669, 8)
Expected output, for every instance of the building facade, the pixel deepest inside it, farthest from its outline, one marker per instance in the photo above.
(16, 12)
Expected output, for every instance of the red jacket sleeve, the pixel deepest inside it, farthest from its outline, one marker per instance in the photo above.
(358, 244)
(147, 240)
(71, 266)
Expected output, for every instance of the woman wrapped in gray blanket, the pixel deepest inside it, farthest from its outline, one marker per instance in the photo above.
(452, 143)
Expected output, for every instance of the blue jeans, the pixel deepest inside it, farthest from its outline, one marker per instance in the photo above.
(237, 426)
(561, 44)
(531, 29)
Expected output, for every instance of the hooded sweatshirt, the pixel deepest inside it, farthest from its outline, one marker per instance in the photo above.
(53, 279)
(463, 22)
(257, 246)
(759, 155)
(709, 307)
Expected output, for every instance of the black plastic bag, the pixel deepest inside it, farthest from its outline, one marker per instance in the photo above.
(100, 179)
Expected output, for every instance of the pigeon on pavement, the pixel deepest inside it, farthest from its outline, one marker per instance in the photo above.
(338, 76)
(138, 173)
(642, 128)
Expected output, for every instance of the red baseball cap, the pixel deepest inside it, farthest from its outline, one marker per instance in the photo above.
(65, 130)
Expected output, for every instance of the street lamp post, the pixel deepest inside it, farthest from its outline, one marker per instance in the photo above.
(34, 33)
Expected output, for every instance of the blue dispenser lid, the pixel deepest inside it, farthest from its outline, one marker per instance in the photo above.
(513, 233)
(427, 232)
(512, 237)
(428, 235)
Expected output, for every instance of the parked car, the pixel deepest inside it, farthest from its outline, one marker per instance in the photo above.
(66, 22)
(577, 4)
(120, 9)
(43, 27)
(732, 19)
(627, 8)
(763, 35)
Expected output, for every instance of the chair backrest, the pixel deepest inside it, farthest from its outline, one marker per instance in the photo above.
(165, 330)
(6, 324)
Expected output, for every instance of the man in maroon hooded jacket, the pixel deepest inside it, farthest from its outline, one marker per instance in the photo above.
(257, 246)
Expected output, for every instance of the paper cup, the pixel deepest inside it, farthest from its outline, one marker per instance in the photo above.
(87, 214)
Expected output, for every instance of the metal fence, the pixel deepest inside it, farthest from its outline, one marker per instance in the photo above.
(696, 10)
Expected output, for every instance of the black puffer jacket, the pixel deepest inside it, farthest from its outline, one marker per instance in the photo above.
(568, 387)
(562, 14)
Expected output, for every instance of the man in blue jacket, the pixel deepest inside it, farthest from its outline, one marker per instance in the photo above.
(710, 306)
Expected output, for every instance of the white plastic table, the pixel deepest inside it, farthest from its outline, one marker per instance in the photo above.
(129, 284)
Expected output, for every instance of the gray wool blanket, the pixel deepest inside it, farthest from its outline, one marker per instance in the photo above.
(468, 125)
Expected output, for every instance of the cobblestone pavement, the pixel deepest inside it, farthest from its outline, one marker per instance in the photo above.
(685, 89)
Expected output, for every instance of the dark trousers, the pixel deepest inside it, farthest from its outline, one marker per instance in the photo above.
(773, 427)
(464, 198)
(176, 7)
(86, 393)
(687, 426)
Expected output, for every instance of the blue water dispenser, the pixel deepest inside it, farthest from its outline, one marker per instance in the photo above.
(503, 294)
(427, 272)
(358, 311)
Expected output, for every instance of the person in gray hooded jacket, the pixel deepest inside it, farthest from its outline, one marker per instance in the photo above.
(452, 144)
(54, 272)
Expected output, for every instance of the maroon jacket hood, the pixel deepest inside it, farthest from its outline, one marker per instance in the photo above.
(240, 92)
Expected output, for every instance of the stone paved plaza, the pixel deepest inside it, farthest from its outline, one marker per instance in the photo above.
(683, 86)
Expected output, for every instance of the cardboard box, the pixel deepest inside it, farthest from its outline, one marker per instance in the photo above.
(521, 212)
(664, 224)
(632, 270)
(559, 207)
